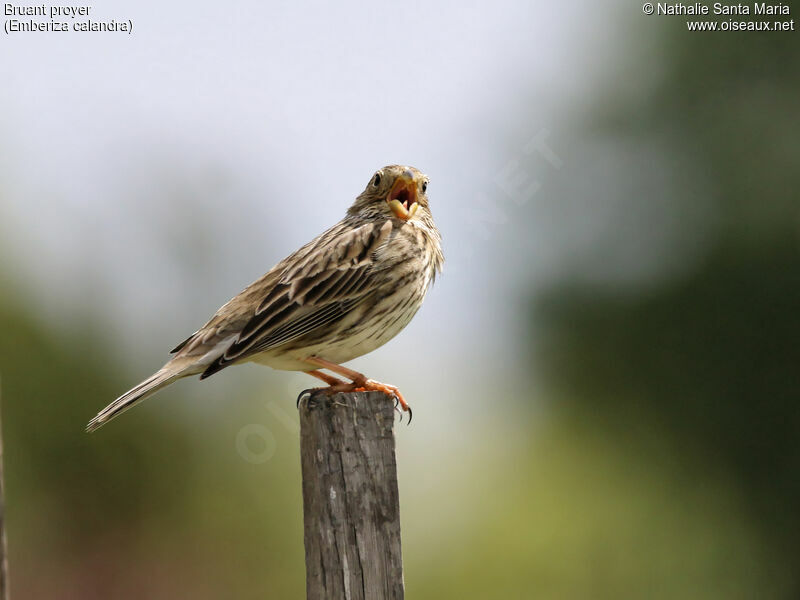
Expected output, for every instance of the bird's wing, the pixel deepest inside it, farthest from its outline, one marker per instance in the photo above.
(316, 285)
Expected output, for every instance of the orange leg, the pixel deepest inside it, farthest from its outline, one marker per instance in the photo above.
(329, 379)
(360, 381)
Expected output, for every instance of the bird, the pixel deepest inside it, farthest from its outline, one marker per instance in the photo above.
(342, 295)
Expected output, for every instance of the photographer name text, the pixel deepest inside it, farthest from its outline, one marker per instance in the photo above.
(718, 8)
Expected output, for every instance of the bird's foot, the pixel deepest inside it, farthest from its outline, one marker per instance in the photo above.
(329, 390)
(360, 383)
(370, 385)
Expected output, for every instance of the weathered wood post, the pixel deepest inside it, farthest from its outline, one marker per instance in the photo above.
(3, 547)
(351, 508)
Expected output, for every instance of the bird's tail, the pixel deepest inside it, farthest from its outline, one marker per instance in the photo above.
(166, 375)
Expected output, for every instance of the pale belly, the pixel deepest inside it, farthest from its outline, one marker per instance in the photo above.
(364, 333)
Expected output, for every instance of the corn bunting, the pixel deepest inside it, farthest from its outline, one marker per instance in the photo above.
(342, 295)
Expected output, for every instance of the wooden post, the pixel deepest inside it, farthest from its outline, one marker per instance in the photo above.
(3, 547)
(351, 509)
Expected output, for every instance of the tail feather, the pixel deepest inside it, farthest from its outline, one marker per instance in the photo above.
(145, 389)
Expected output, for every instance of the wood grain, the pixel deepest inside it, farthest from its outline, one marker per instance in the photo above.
(351, 506)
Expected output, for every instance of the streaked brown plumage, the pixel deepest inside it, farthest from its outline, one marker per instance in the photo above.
(340, 296)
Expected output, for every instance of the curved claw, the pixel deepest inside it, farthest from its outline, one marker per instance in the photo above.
(308, 392)
(400, 411)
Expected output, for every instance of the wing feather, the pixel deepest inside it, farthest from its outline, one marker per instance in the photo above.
(319, 284)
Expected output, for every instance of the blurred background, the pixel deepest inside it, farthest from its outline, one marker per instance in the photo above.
(604, 380)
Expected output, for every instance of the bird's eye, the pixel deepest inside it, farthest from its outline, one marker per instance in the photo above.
(424, 186)
(376, 181)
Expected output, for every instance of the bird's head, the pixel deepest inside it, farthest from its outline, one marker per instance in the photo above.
(396, 191)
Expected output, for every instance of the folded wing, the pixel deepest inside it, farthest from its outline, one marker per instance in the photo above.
(316, 286)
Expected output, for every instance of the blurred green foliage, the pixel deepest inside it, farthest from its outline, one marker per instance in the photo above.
(707, 359)
(144, 509)
(585, 510)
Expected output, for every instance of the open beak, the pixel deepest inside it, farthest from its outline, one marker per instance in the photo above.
(402, 198)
